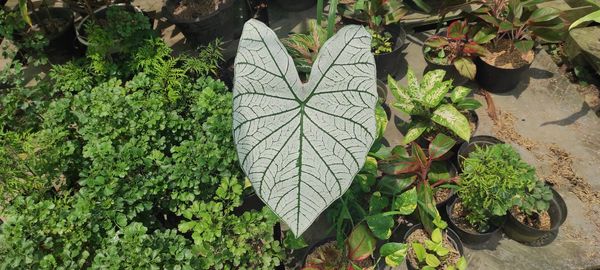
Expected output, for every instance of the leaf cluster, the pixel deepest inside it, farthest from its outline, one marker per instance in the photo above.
(429, 107)
(434, 254)
(461, 43)
(494, 179)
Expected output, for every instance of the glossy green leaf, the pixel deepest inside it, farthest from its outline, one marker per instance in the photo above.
(594, 16)
(393, 184)
(544, 14)
(415, 129)
(459, 93)
(484, 35)
(468, 104)
(436, 94)
(436, 236)
(25, 12)
(381, 120)
(524, 46)
(377, 203)
(394, 253)
(381, 225)
(406, 203)
(290, 136)
(432, 260)
(426, 206)
(461, 264)
(448, 116)
(420, 251)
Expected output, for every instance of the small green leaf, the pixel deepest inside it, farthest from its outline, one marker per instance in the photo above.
(186, 226)
(377, 203)
(419, 251)
(394, 184)
(459, 93)
(381, 225)
(392, 248)
(292, 242)
(524, 46)
(461, 264)
(406, 203)
(544, 14)
(468, 104)
(436, 235)
(432, 260)
(484, 35)
(415, 129)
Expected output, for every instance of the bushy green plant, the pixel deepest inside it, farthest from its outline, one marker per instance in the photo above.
(29, 43)
(536, 200)
(434, 254)
(494, 179)
(112, 163)
(428, 107)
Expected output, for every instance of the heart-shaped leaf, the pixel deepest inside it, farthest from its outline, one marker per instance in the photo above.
(360, 243)
(302, 144)
(406, 203)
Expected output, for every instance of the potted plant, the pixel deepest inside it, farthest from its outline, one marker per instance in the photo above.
(202, 21)
(536, 215)
(43, 29)
(429, 108)
(304, 47)
(381, 17)
(475, 142)
(441, 249)
(454, 51)
(515, 25)
(492, 182)
(295, 5)
(108, 17)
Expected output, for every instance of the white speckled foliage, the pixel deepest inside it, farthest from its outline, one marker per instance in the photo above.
(302, 144)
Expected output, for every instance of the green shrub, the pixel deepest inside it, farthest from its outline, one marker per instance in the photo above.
(114, 164)
(493, 180)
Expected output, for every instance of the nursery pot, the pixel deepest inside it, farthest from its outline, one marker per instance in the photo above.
(296, 5)
(451, 71)
(468, 237)
(441, 206)
(529, 235)
(452, 236)
(562, 206)
(225, 23)
(99, 14)
(61, 39)
(389, 63)
(477, 141)
(496, 79)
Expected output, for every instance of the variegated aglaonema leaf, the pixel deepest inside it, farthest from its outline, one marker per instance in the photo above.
(448, 116)
(302, 144)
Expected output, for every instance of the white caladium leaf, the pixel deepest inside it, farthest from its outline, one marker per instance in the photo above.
(302, 144)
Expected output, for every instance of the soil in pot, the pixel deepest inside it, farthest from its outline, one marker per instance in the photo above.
(191, 10)
(420, 236)
(333, 257)
(459, 217)
(504, 55)
(537, 221)
(442, 195)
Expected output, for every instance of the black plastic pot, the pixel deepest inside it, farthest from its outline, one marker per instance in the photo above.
(389, 63)
(471, 238)
(561, 205)
(532, 236)
(225, 23)
(61, 40)
(99, 13)
(468, 147)
(382, 91)
(296, 5)
(498, 80)
(453, 237)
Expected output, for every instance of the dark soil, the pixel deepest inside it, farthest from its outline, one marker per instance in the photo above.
(420, 236)
(540, 222)
(442, 194)
(189, 9)
(504, 55)
(458, 215)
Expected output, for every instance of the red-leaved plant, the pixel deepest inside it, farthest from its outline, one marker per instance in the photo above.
(419, 164)
(458, 47)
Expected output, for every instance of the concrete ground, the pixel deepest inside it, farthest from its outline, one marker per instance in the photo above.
(545, 117)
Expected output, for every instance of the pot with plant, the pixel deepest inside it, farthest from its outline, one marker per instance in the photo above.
(55, 24)
(441, 249)
(112, 17)
(454, 50)
(430, 109)
(480, 141)
(382, 19)
(202, 21)
(494, 179)
(515, 27)
(536, 217)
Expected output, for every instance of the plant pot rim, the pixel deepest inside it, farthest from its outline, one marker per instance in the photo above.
(493, 228)
(83, 39)
(314, 246)
(474, 140)
(170, 4)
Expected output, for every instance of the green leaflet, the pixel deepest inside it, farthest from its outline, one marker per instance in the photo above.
(448, 116)
(459, 93)
(415, 129)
